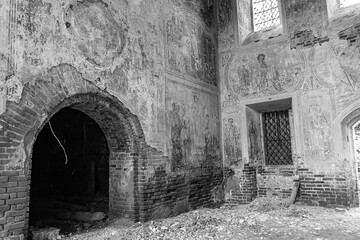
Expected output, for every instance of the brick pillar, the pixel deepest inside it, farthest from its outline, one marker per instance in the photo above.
(245, 188)
(248, 190)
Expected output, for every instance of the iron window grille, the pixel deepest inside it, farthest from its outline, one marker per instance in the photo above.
(266, 14)
(277, 138)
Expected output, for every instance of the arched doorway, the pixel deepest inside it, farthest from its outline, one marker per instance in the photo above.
(356, 157)
(347, 130)
(70, 171)
(117, 128)
(22, 123)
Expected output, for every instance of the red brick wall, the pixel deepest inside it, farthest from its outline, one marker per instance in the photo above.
(142, 194)
(246, 190)
(324, 190)
(328, 190)
(21, 124)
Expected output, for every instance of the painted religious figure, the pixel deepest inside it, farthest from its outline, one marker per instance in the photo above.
(232, 142)
(224, 15)
(263, 81)
(319, 141)
(192, 127)
(253, 136)
(177, 126)
(264, 73)
(191, 50)
(244, 75)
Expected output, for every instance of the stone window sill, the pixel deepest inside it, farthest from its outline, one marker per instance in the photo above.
(267, 36)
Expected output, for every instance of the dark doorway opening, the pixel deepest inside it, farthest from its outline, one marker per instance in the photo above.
(61, 191)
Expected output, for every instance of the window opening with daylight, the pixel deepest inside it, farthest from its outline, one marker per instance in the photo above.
(266, 14)
(346, 3)
(277, 138)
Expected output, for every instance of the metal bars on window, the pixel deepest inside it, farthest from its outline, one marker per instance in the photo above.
(265, 14)
(346, 3)
(277, 138)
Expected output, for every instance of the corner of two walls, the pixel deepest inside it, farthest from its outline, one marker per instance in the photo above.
(194, 167)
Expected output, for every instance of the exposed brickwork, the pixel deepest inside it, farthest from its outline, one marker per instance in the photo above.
(168, 190)
(22, 123)
(305, 39)
(351, 34)
(135, 191)
(324, 190)
(247, 190)
(13, 204)
(275, 181)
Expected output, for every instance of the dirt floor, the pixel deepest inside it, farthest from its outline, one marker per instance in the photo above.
(259, 220)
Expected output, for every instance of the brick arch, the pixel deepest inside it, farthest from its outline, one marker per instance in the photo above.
(21, 123)
(342, 129)
(118, 124)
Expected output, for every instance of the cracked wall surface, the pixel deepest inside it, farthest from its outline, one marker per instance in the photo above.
(127, 49)
(156, 58)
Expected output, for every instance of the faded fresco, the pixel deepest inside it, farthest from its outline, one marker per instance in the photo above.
(315, 61)
(226, 33)
(231, 139)
(186, 54)
(264, 73)
(3, 66)
(192, 126)
(225, 15)
(311, 10)
(204, 9)
(99, 37)
(206, 12)
(8, 12)
(254, 136)
(350, 61)
(348, 84)
(317, 118)
(340, 72)
(120, 47)
(327, 73)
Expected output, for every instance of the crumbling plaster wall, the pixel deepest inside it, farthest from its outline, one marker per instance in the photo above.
(314, 61)
(158, 58)
(124, 47)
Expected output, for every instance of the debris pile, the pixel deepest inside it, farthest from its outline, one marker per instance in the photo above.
(264, 219)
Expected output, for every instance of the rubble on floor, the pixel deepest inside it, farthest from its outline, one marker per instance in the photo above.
(54, 219)
(264, 219)
(45, 234)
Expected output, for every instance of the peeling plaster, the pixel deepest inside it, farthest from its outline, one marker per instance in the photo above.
(17, 159)
(274, 182)
(14, 89)
(99, 37)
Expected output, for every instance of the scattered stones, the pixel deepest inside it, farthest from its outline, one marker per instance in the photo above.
(241, 223)
(46, 234)
(340, 209)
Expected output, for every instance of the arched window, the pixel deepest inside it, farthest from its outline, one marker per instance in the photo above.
(266, 14)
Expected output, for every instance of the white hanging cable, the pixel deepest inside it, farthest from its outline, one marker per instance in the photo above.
(66, 157)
